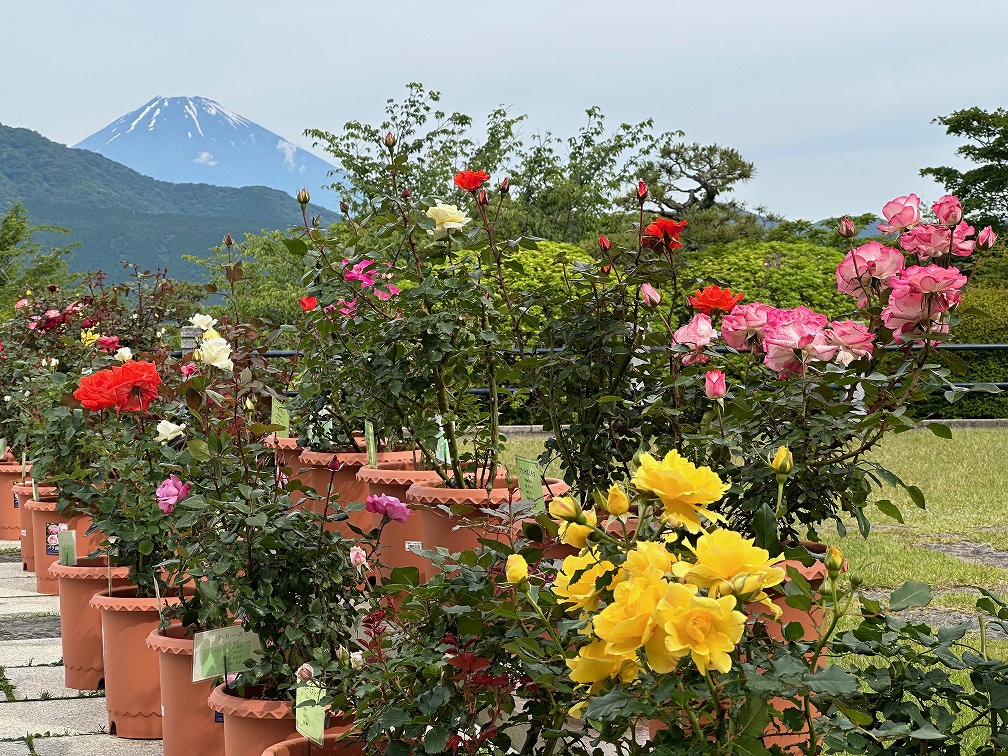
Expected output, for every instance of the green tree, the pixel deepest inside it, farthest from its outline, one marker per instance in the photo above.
(983, 190)
(24, 263)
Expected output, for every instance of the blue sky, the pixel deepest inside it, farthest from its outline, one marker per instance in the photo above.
(832, 101)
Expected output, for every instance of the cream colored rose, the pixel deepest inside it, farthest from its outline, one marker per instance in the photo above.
(448, 218)
(203, 321)
(216, 352)
(166, 431)
(123, 354)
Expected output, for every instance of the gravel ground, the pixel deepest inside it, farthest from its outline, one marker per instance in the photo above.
(21, 627)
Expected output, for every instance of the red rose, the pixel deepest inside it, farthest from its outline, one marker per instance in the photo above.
(95, 390)
(308, 303)
(135, 385)
(470, 181)
(714, 298)
(663, 232)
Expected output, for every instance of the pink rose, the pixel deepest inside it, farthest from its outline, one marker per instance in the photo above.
(386, 292)
(900, 213)
(188, 370)
(985, 240)
(714, 384)
(361, 272)
(23, 302)
(934, 279)
(962, 246)
(387, 506)
(927, 241)
(696, 334)
(109, 344)
(852, 340)
(793, 338)
(948, 210)
(52, 540)
(649, 295)
(170, 493)
(358, 557)
(743, 326)
(909, 313)
(347, 308)
(864, 266)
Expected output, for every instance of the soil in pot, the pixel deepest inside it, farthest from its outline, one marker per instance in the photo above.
(80, 623)
(132, 678)
(46, 526)
(189, 726)
(253, 725)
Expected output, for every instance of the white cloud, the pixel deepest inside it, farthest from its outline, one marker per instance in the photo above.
(205, 158)
(288, 151)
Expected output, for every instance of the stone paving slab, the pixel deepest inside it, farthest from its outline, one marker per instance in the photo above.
(31, 683)
(20, 588)
(12, 569)
(34, 651)
(14, 748)
(31, 604)
(10, 545)
(69, 716)
(89, 745)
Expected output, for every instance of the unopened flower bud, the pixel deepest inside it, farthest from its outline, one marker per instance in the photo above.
(481, 198)
(303, 197)
(358, 557)
(565, 508)
(617, 502)
(641, 192)
(986, 238)
(604, 244)
(390, 140)
(783, 461)
(334, 464)
(516, 569)
(855, 581)
(846, 228)
(505, 186)
(228, 241)
(405, 193)
(649, 295)
(834, 562)
(305, 672)
(721, 588)
(344, 207)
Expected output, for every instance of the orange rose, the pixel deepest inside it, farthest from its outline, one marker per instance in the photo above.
(470, 181)
(95, 390)
(135, 385)
(663, 232)
(714, 298)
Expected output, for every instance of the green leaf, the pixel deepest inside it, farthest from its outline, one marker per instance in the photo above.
(927, 732)
(765, 529)
(793, 631)
(909, 594)
(886, 507)
(833, 681)
(749, 747)
(856, 716)
(942, 431)
(436, 739)
(917, 495)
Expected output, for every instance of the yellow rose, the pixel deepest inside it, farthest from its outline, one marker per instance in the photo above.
(629, 622)
(783, 461)
(564, 508)
(684, 488)
(88, 337)
(706, 628)
(726, 555)
(575, 582)
(594, 665)
(645, 557)
(617, 502)
(576, 535)
(516, 569)
(446, 218)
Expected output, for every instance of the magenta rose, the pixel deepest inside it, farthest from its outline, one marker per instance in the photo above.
(852, 340)
(170, 493)
(387, 506)
(900, 213)
(696, 334)
(948, 210)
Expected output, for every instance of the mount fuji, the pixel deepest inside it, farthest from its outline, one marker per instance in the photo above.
(198, 141)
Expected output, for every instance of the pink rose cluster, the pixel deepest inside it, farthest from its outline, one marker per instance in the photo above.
(387, 506)
(364, 273)
(51, 318)
(171, 492)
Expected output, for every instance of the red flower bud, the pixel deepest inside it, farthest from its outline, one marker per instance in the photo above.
(86, 323)
(641, 192)
(228, 241)
(846, 228)
(986, 238)
(308, 303)
(334, 464)
(481, 198)
(505, 186)
(303, 197)
(604, 244)
(390, 140)
(344, 207)
(405, 194)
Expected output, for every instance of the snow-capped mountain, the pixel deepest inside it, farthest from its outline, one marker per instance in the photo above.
(196, 140)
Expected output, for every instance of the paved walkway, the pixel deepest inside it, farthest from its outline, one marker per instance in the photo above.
(38, 715)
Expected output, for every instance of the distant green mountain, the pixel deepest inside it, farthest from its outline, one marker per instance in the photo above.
(118, 214)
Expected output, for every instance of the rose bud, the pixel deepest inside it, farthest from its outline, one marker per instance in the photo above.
(344, 207)
(986, 238)
(505, 186)
(649, 295)
(228, 241)
(714, 384)
(303, 197)
(783, 461)
(604, 244)
(390, 140)
(405, 193)
(846, 228)
(481, 198)
(641, 192)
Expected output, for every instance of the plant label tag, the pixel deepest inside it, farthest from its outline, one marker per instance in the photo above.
(53, 530)
(157, 594)
(218, 717)
(309, 715)
(529, 479)
(68, 548)
(371, 442)
(34, 490)
(223, 651)
(16, 502)
(24, 465)
(414, 547)
(280, 415)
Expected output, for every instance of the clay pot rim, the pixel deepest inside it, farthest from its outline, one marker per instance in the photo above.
(177, 644)
(114, 601)
(43, 504)
(87, 571)
(350, 458)
(8, 467)
(254, 708)
(424, 494)
(387, 476)
(281, 442)
(288, 745)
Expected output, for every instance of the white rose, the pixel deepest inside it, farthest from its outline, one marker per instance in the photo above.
(447, 217)
(203, 321)
(168, 430)
(216, 352)
(123, 354)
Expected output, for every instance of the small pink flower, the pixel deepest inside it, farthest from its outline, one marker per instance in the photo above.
(231, 678)
(108, 344)
(188, 370)
(171, 492)
(986, 238)
(20, 303)
(948, 210)
(361, 272)
(714, 384)
(358, 558)
(387, 506)
(649, 295)
(961, 245)
(900, 213)
(347, 308)
(386, 292)
(696, 334)
(305, 672)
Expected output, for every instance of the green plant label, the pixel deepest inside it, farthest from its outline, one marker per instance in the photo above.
(529, 479)
(68, 547)
(280, 415)
(160, 609)
(309, 715)
(371, 442)
(24, 465)
(34, 490)
(223, 651)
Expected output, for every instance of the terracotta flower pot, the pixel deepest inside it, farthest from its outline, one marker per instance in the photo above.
(462, 529)
(252, 725)
(288, 454)
(22, 495)
(304, 747)
(80, 623)
(46, 524)
(132, 679)
(345, 486)
(10, 522)
(190, 728)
